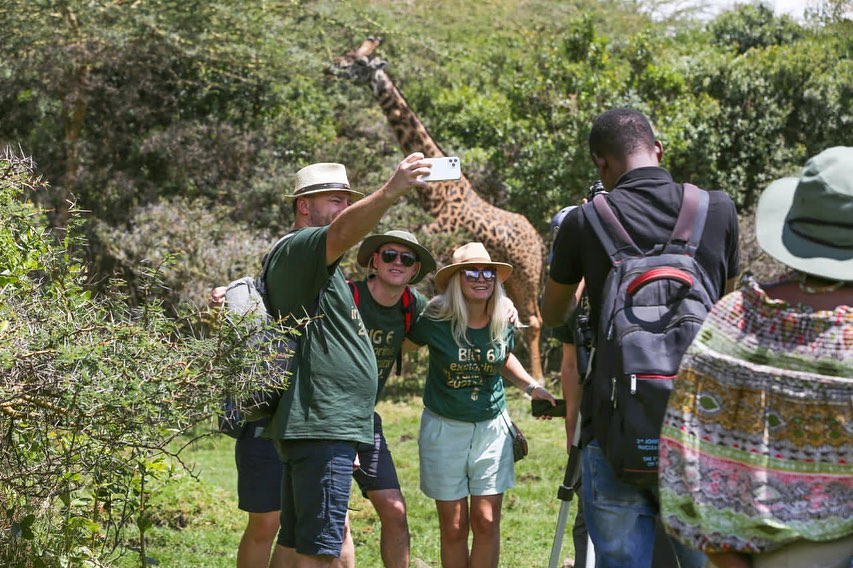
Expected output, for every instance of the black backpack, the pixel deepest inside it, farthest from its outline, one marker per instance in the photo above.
(652, 306)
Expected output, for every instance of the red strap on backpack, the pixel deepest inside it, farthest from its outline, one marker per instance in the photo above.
(354, 289)
(408, 300)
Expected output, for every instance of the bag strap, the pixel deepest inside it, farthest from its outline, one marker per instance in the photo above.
(618, 243)
(354, 290)
(613, 237)
(261, 286)
(691, 221)
(408, 301)
(408, 305)
(261, 280)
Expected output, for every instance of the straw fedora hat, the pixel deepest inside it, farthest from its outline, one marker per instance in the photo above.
(322, 177)
(470, 254)
(807, 222)
(371, 244)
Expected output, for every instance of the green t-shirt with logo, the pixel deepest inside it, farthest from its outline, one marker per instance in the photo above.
(332, 393)
(386, 328)
(462, 381)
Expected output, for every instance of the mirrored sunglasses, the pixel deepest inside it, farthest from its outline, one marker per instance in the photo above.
(472, 275)
(406, 258)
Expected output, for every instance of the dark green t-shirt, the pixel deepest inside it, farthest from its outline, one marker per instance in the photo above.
(386, 328)
(462, 381)
(332, 393)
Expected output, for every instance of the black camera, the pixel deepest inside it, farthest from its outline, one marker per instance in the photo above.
(596, 188)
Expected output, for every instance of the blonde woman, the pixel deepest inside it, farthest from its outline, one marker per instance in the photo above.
(465, 444)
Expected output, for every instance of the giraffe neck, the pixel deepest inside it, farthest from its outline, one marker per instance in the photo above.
(409, 130)
(412, 136)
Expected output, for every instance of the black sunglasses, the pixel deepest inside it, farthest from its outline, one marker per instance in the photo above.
(472, 275)
(406, 258)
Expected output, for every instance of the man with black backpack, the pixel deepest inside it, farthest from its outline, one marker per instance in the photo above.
(655, 255)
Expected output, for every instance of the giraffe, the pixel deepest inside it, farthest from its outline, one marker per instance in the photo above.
(509, 237)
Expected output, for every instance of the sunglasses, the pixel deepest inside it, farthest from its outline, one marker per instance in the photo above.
(406, 258)
(488, 274)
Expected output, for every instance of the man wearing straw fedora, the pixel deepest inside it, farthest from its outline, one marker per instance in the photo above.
(328, 409)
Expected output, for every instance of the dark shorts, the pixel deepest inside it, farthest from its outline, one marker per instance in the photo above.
(315, 491)
(258, 472)
(376, 466)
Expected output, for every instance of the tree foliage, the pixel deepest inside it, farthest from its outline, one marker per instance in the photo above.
(94, 393)
(147, 114)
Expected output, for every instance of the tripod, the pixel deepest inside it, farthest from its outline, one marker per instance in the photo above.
(571, 483)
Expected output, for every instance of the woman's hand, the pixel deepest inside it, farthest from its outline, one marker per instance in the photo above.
(539, 393)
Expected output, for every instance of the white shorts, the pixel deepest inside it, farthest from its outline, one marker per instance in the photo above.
(458, 459)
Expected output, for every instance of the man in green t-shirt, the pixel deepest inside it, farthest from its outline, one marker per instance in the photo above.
(328, 408)
(394, 260)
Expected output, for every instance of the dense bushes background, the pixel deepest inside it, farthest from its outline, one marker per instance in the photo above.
(163, 134)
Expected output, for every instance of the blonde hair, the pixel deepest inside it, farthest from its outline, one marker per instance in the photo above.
(450, 306)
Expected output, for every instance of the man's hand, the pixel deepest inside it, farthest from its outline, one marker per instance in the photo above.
(408, 173)
(217, 297)
(511, 312)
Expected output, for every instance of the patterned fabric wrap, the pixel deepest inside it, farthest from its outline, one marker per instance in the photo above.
(756, 449)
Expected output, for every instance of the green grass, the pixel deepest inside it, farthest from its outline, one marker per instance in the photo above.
(198, 524)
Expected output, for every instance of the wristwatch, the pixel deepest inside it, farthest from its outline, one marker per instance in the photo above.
(531, 387)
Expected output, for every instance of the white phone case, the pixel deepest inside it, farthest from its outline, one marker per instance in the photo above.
(445, 168)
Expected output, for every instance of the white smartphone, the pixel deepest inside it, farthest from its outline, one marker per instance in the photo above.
(445, 168)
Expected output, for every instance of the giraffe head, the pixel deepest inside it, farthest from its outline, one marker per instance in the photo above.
(357, 64)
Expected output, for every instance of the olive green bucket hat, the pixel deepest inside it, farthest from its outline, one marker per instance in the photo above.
(371, 244)
(807, 222)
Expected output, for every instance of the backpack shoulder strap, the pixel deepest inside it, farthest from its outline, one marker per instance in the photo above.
(691, 221)
(408, 301)
(614, 238)
(355, 295)
(261, 286)
(261, 280)
(408, 306)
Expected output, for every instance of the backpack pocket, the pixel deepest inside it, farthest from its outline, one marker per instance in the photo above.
(630, 441)
(640, 382)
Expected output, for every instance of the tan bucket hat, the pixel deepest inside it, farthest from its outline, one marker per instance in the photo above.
(807, 222)
(470, 254)
(371, 244)
(322, 177)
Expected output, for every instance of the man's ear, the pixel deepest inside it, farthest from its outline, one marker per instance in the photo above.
(600, 163)
(301, 206)
(659, 150)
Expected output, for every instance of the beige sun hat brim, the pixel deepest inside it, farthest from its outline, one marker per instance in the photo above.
(356, 195)
(776, 238)
(373, 242)
(442, 277)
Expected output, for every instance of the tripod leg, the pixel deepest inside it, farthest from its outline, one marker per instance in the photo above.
(557, 547)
